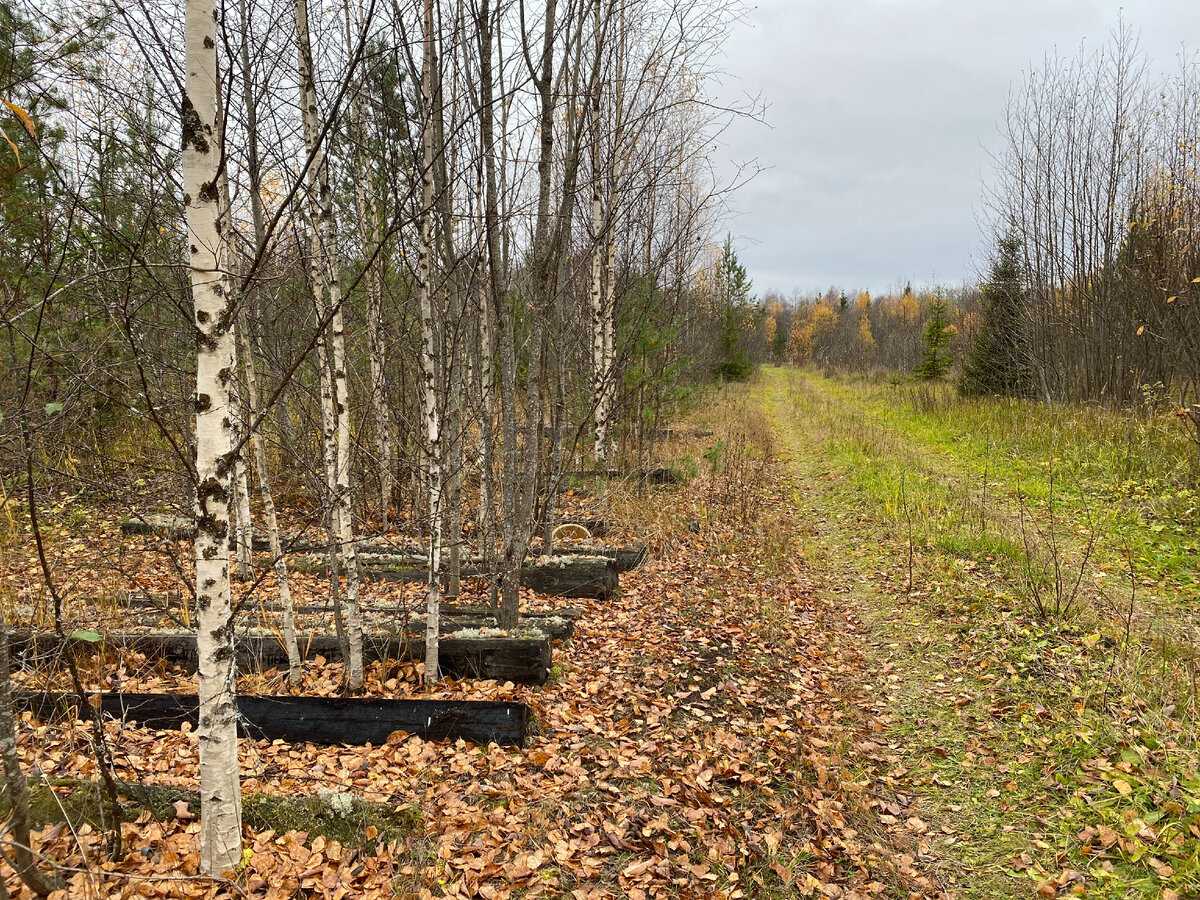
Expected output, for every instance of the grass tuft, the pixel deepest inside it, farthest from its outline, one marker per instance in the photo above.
(340, 817)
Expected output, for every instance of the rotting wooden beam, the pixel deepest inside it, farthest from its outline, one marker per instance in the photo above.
(660, 475)
(556, 624)
(626, 558)
(523, 657)
(566, 574)
(317, 720)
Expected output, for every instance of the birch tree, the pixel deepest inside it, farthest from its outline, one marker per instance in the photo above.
(220, 787)
(248, 367)
(369, 214)
(240, 513)
(520, 469)
(491, 306)
(331, 350)
(425, 302)
(598, 263)
(606, 373)
(244, 528)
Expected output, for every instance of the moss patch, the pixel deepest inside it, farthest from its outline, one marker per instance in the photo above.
(338, 817)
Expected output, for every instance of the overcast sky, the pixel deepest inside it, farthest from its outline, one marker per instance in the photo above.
(881, 115)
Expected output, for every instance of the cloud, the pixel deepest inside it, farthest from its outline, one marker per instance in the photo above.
(882, 118)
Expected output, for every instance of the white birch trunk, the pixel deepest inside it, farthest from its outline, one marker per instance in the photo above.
(608, 359)
(220, 787)
(486, 409)
(452, 495)
(599, 387)
(246, 350)
(345, 520)
(279, 560)
(600, 242)
(329, 458)
(241, 476)
(430, 412)
(376, 349)
(607, 328)
(243, 529)
(325, 284)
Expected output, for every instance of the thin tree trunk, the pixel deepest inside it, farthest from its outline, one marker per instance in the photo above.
(554, 472)
(333, 511)
(220, 787)
(556, 389)
(243, 528)
(487, 540)
(279, 560)
(454, 428)
(608, 384)
(542, 273)
(377, 351)
(433, 435)
(502, 520)
(370, 230)
(345, 518)
(335, 398)
(244, 533)
(599, 386)
(249, 370)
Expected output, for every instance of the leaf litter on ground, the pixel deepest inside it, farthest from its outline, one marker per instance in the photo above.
(696, 739)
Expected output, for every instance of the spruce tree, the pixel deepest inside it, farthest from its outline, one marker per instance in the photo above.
(935, 354)
(733, 293)
(997, 363)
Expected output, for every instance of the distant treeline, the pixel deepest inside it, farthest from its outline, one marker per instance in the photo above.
(864, 333)
(1093, 290)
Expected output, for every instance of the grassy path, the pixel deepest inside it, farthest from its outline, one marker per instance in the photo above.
(993, 480)
(1048, 757)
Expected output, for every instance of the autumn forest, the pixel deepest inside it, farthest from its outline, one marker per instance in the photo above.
(407, 488)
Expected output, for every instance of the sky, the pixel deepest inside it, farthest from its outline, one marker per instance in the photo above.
(881, 122)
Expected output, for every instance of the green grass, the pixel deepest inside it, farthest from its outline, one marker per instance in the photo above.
(684, 466)
(1057, 753)
(1132, 477)
(976, 545)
